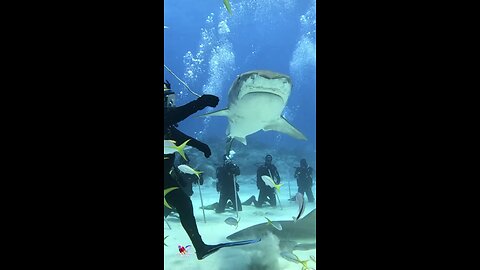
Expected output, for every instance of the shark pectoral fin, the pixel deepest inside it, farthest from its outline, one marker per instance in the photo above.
(283, 126)
(241, 139)
(223, 112)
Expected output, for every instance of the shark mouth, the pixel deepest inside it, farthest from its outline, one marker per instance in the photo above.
(255, 83)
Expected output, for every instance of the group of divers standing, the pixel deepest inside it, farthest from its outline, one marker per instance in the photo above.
(179, 199)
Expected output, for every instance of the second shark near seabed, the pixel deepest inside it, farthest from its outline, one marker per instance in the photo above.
(295, 235)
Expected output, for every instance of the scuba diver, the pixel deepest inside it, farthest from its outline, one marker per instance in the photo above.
(185, 181)
(266, 194)
(226, 177)
(177, 198)
(304, 180)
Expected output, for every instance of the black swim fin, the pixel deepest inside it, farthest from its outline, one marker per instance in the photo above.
(210, 249)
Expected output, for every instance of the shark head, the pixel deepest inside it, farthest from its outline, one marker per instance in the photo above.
(261, 82)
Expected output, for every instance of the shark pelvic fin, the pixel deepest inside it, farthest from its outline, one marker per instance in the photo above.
(283, 126)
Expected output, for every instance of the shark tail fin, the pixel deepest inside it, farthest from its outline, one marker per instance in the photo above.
(282, 125)
(223, 112)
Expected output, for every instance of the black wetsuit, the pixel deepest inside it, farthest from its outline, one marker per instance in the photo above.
(177, 198)
(304, 181)
(266, 194)
(225, 175)
(186, 182)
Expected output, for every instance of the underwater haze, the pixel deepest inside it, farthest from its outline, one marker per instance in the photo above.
(208, 48)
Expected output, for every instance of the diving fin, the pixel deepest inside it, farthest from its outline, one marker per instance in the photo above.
(210, 249)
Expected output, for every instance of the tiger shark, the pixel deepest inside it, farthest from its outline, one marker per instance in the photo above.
(256, 100)
(299, 235)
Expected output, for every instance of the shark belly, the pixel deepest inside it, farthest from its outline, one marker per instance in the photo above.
(254, 113)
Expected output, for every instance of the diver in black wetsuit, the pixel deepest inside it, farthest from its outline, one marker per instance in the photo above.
(266, 194)
(226, 177)
(304, 180)
(177, 198)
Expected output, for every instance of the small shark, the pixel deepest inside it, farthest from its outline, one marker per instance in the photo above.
(256, 100)
(299, 235)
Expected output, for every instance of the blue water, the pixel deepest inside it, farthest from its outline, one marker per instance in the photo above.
(207, 48)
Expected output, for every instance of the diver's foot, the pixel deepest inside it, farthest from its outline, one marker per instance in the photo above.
(207, 250)
(292, 199)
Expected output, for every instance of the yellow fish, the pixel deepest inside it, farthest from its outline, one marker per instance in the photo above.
(269, 182)
(187, 169)
(169, 147)
(165, 192)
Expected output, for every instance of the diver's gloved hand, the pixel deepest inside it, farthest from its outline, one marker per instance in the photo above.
(208, 100)
(205, 149)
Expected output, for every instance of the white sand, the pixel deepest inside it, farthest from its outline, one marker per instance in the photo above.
(262, 256)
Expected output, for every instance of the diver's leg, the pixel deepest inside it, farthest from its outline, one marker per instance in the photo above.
(222, 202)
(310, 195)
(231, 198)
(178, 199)
(250, 200)
(262, 198)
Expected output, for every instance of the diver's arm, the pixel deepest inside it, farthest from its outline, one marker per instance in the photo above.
(180, 113)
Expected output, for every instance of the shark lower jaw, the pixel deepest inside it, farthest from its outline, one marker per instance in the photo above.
(282, 92)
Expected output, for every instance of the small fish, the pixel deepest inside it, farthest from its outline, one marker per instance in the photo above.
(269, 182)
(227, 6)
(275, 224)
(164, 241)
(232, 221)
(289, 256)
(187, 169)
(165, 27)
(313, 259)
(183, 250)
(165, 192)
(170, 147)
(301, 206)
(293, 258)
